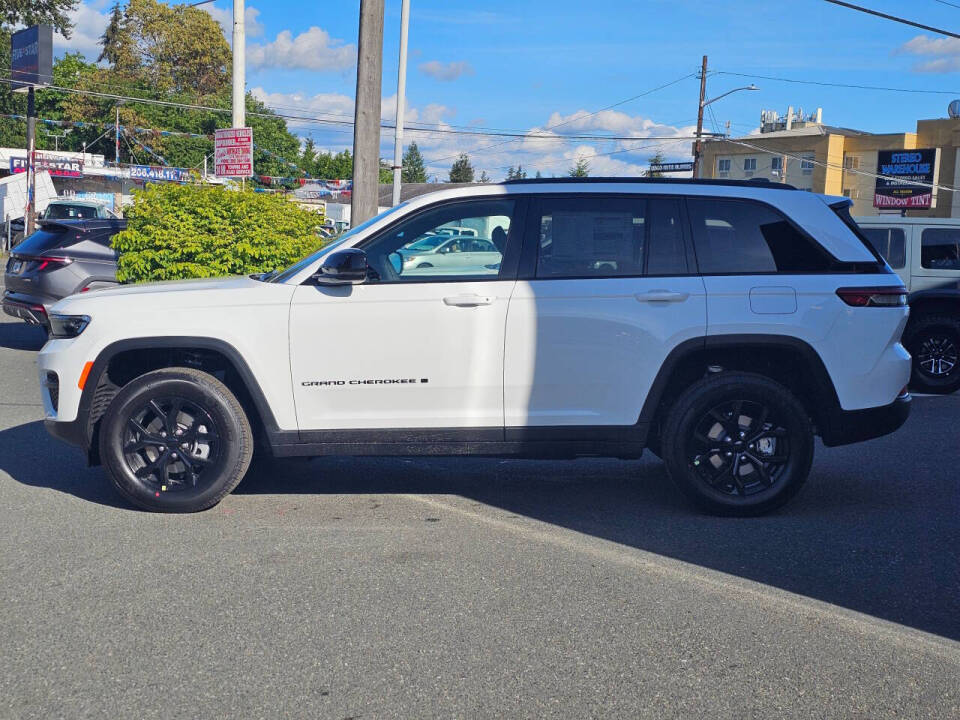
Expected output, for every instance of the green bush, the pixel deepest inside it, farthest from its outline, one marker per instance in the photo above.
(188, 231)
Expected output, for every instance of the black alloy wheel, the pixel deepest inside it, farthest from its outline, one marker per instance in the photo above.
(737, 443)
(171, 444)
(739, 448)
(934, 343)
(175, 440)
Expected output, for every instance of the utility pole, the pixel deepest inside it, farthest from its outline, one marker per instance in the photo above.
(698, 146)
(116, 138)
(31, 163)
(401, 102)
(366, 123)
(239, 65)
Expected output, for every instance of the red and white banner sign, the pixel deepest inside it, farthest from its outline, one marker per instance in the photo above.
(233, 152)
(910, 201)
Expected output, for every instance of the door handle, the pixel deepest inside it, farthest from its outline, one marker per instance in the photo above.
(468, 300)
(661, 296)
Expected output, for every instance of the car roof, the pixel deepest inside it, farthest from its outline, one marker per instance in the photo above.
(78, 201)
(86, 225)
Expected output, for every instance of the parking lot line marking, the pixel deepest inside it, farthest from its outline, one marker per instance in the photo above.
(636, 558)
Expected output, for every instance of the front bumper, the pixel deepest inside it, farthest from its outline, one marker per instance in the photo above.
(25, 308)
(843, 427)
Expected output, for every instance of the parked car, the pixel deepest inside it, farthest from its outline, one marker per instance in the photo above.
(61, 258)
(77, 209)
(451, 251)
(720, 324)
(925, 252)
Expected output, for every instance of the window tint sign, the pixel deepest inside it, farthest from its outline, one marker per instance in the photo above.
(31, 57)
(902, 170)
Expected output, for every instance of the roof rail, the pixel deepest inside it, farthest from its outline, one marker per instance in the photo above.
(754, 182)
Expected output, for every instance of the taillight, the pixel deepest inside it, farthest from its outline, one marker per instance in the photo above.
(51, 263)
(893, 296)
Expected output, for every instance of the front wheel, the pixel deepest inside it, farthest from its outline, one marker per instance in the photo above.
(935, 345)
(175, 440)
(738, 444)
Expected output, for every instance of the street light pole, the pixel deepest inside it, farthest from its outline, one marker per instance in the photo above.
(239, 65)
(401, 102)
(31, 162)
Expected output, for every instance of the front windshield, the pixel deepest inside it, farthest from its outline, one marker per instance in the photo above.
(294, 269)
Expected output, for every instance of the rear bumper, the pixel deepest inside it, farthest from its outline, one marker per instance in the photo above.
(844, 427)
(25, 308)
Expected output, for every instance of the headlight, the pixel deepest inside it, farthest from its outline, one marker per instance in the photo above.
(67, 326)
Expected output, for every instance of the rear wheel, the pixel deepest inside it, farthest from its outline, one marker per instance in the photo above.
(935, 345)
(738, 444)
(175, 440)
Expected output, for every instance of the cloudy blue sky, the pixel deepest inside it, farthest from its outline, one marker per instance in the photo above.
(533, 65)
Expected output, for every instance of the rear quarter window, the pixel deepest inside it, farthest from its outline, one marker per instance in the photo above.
(891, 243)
(940, 249)
(734, 236)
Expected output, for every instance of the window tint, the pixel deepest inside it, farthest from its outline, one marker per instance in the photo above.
(891, 243)
(456, 241)
(610, 237)
(735, 236)
(940, 248)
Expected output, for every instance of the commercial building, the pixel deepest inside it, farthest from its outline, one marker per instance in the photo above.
(801, 150)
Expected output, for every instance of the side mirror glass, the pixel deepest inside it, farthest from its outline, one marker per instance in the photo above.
(343, 267)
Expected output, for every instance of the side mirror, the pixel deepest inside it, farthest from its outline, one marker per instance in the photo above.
(343, 267)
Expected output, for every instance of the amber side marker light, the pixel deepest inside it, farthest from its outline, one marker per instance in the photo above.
(85, 374)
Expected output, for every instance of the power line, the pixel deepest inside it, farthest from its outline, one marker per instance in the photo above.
(573, 119)
(944, 2)
(838, 85)
(894, 18)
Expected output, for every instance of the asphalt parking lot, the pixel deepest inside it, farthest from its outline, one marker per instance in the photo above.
(348, 588)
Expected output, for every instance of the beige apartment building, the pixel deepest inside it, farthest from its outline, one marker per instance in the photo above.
(803, 151)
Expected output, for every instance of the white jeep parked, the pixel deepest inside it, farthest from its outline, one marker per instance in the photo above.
(720, 324)
(925, 252)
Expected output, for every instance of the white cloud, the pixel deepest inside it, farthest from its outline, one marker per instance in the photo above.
(944, 51)
(224, 16)
(88, 26)
(310, 50)
(445, 72)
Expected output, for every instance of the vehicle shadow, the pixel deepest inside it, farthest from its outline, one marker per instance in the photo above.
(21, 336)
(875, 530)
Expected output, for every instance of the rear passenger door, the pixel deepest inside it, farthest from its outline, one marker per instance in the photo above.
(607, 289)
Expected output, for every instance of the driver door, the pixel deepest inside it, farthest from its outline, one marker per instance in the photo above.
(413, 347)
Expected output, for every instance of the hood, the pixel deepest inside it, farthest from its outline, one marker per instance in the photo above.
(178, 294)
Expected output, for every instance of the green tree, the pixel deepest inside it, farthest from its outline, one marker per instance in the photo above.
(581, 169)
(538, 175)
(484, 178)
(657, 159)
(35, 12)
(414, 170)
(517, 173)
(461, 171)
(172, 47)
(190, 231)
(111, 41)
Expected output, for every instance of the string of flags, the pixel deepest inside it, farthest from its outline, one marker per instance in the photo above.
(300, 180)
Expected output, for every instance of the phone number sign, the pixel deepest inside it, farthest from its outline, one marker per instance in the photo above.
(233, 152)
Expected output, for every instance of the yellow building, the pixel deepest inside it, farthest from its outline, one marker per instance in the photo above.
(804, 152)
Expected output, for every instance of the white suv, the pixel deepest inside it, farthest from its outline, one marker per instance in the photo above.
(720, 324)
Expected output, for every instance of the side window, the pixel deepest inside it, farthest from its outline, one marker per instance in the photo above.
(940, 248)
(610, 237)
(891, 243)
(737, 236)
(458, 241)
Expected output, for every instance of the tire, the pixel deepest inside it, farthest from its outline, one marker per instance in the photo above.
(150, 410)
(424, 265)
(934, 343)
(775, 444)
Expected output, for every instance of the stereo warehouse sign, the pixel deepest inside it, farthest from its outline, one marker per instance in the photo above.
(908, 179)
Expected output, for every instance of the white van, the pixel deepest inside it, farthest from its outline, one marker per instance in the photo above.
(925, 252)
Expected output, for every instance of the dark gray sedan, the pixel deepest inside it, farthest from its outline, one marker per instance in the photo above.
(63, 257)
